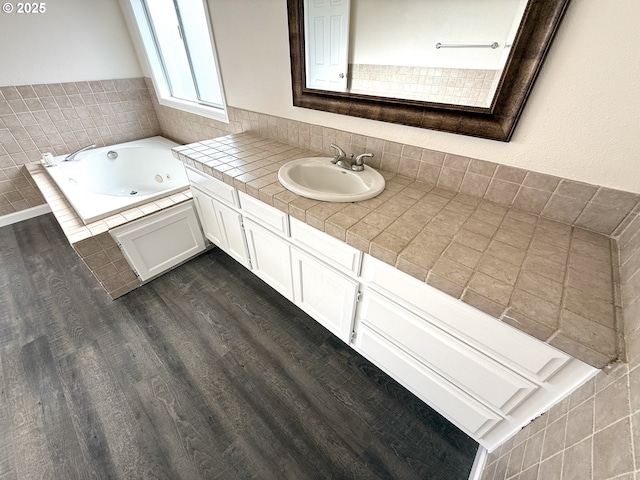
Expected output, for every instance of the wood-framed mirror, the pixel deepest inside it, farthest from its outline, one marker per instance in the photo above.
(536, 30)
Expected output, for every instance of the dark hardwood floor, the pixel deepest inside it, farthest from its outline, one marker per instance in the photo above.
(205, 372)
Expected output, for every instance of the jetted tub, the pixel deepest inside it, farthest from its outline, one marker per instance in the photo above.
(103, 181)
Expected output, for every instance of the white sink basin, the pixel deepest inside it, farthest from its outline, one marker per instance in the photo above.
(319, 179)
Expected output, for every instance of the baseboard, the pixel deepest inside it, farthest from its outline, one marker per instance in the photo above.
(25, 214)
(478, 464)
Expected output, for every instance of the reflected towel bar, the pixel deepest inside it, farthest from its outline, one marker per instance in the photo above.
(493, 45)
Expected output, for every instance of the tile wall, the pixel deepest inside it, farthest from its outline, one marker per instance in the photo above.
(443, 85)
(184, 127)
(629, 251)
(60, 118)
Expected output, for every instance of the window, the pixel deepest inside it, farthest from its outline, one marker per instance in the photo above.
(179, 47)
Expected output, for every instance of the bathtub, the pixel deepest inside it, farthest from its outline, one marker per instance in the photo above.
(103, 181)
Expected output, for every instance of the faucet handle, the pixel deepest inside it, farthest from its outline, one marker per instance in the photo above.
(339, 153)
(358, 165)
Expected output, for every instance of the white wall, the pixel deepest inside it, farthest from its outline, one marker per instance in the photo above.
(74, 40)
(582, 119)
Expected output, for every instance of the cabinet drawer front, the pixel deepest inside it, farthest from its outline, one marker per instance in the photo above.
(455, 405)
(213, 186)
(330, 249)
(473, 372)
(535, 359)
(264, 214)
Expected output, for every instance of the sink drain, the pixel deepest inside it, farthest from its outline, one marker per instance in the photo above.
(133, 192)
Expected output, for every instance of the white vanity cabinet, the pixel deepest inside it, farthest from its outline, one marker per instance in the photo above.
(451, 402)
(217, 206)
(267, 231)
(486, 377)
(474, 372)
(325, 282)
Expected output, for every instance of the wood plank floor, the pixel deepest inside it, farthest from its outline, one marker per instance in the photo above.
(205, 373)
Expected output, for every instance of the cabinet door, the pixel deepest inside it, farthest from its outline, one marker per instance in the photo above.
(270, 257)
(328, 296)
(222, 225)
(233, 239)
(154, 244)
(208, 217)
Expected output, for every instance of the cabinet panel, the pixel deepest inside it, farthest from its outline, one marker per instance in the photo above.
(270, 257)
(213, 186)
(154, 244)
(534, 358)
(222, 225)
(207, 215)
(459, 408)
(465, 367)
(330, 249)
(325, 294)
(232, 232)
(264, 214)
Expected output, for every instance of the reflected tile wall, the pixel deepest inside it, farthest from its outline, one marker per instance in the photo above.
(60, 118)
(473, 87)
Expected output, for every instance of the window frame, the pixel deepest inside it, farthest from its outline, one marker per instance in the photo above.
(146, 40)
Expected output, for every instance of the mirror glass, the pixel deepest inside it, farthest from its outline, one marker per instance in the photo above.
(438, 51)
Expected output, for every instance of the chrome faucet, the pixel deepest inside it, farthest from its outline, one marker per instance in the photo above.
(340, 158)
(72, 156)
(358, 165)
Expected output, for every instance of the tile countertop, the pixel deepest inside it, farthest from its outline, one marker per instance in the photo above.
(548, 279)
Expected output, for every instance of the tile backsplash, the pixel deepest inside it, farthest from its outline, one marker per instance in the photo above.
(60, 118)
(591, 207)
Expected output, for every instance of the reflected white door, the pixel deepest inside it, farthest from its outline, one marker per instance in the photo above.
(327, 43)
